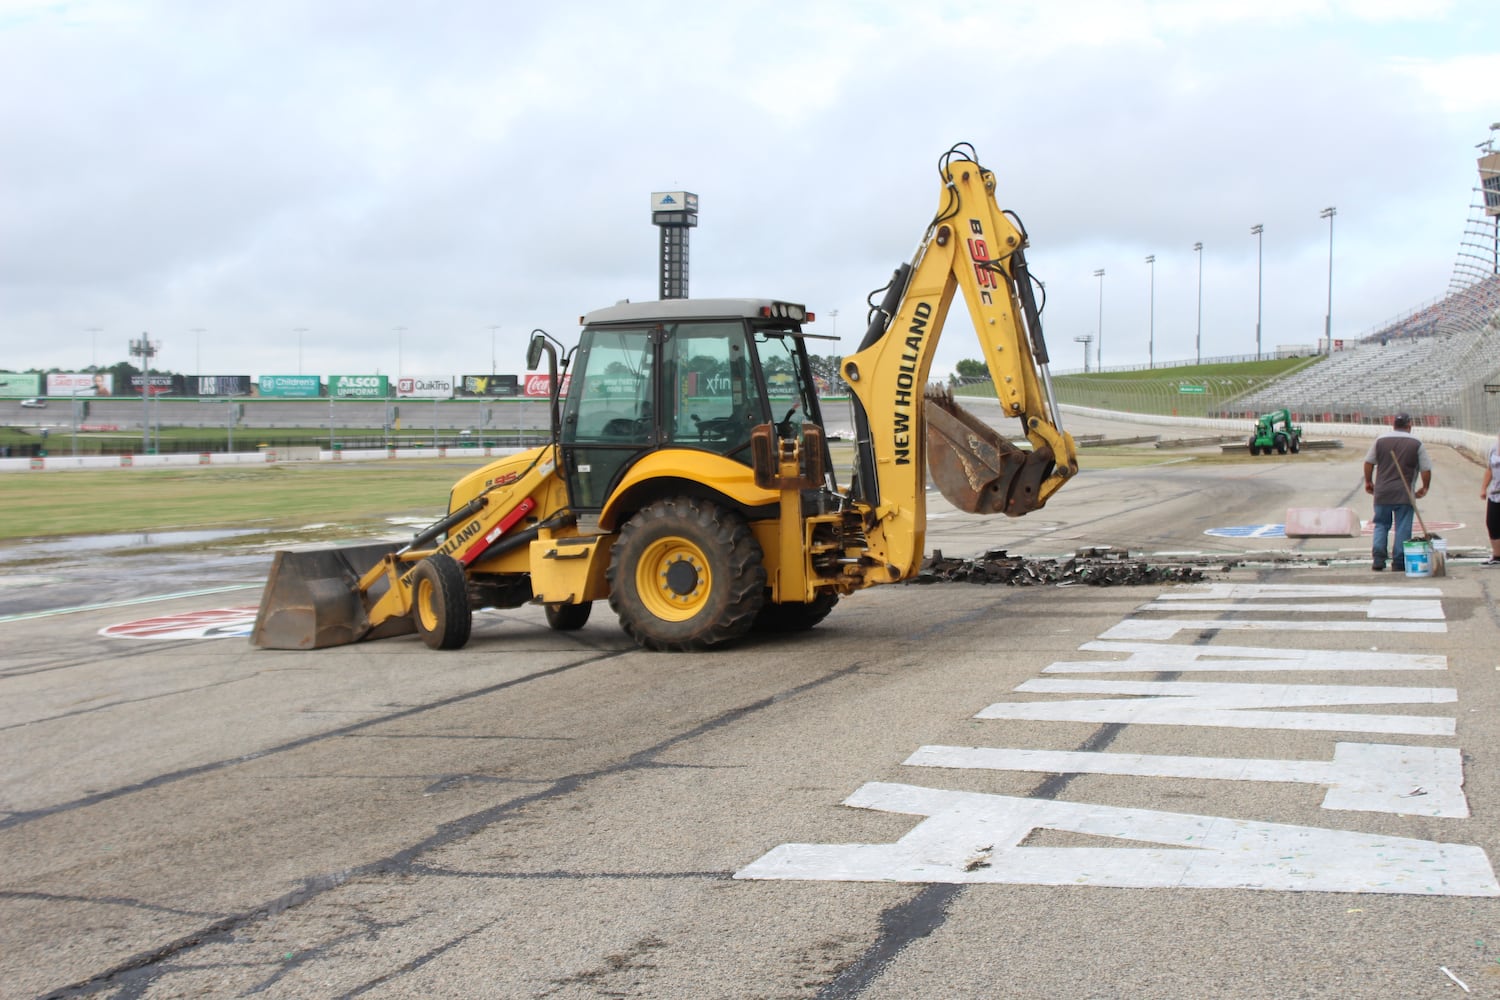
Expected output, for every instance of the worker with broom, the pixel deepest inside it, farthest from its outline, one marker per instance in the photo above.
(1392, 466)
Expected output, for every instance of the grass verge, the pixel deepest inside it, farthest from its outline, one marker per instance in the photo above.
(48, 504)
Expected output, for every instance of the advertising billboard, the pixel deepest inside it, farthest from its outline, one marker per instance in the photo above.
(217, 385)
(80, 384)
(425, 387)
(161, 385)
(290, 386)
(538, 386)
(489, 385)
(359, 386)
(20, 384)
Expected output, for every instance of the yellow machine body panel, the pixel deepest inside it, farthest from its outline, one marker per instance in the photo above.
(569, 569)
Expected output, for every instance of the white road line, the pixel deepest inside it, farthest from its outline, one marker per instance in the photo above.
(1376, 609)
(1252, 591)
(27, 616)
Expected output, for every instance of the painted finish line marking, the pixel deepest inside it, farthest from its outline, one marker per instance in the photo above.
(1279, 530)
(974, 837)
(1375, 610)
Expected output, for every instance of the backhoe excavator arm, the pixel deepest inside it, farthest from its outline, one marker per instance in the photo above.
(972, 246)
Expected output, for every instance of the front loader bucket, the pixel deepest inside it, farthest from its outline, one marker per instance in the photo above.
(975, 467)
(312, 599)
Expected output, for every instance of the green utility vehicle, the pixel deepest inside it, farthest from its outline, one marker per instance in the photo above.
(1275, 430)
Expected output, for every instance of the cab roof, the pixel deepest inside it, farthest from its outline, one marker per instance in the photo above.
(686, 309)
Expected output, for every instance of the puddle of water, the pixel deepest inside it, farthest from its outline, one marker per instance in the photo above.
(80, 544)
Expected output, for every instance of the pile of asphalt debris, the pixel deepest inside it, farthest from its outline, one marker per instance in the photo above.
(1099, 567)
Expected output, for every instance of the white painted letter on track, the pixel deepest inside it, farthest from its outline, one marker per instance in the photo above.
(1241, 706)
(1363, 777)
(1154, 657)
(971, 837)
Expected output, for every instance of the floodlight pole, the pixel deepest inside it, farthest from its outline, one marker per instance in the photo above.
(1257, 230)
(1151, 329)
(1198, 249)
(1328, 213)
(145, 349)
(1099, 348)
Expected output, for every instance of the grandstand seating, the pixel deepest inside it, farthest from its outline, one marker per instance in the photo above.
(1413, 365)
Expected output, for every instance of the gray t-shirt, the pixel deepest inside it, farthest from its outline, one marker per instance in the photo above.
(1391, 450)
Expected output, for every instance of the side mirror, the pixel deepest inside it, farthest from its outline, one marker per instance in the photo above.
(534, 351)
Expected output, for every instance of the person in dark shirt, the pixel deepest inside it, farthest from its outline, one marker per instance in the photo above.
(1393, 465)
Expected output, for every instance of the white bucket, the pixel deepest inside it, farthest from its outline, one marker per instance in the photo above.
(1418, 558)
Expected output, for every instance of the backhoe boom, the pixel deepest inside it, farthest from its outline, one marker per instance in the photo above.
(974, 247)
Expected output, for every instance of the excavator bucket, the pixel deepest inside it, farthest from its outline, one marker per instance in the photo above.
(975, 467)
(312, 599)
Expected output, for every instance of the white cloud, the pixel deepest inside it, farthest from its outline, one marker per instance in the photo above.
(350, 168)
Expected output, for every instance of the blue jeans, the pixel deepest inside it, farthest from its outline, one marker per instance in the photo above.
(1386, 516)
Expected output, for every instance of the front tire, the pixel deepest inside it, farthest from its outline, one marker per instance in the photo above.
(440, 603)
(686, 574)
(569, 617)
(795, 617)
(1281, 444)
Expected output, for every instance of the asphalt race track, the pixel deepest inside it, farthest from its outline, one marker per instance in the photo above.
(1283, 781)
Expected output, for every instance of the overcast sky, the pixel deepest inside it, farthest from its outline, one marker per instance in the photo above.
(222, 175)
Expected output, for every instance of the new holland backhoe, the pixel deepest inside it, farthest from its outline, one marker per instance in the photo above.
(689, 482)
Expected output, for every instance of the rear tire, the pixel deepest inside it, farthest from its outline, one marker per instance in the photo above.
(1296, 443)
(1254, 448)
(440, 603)
(795, 617)
(686, 574)
(569, 617)
(1281, 444)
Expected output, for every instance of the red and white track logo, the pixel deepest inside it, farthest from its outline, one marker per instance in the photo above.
(219, 623)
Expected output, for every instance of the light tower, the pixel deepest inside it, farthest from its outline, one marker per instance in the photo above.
(145, 349)
(1085, 340)
(1258, 231)
(1328, 213)
(674, 213)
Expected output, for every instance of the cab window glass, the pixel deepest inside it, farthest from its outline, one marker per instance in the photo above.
(785, 391)
(709, 381)
(610, 401)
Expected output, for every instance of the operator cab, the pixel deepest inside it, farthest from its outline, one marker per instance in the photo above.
(680, 373)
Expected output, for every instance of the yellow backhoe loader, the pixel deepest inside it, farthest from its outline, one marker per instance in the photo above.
(689, 481)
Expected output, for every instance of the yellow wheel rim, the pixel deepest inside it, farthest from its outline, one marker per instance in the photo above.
(426, 613)
(673, 579)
